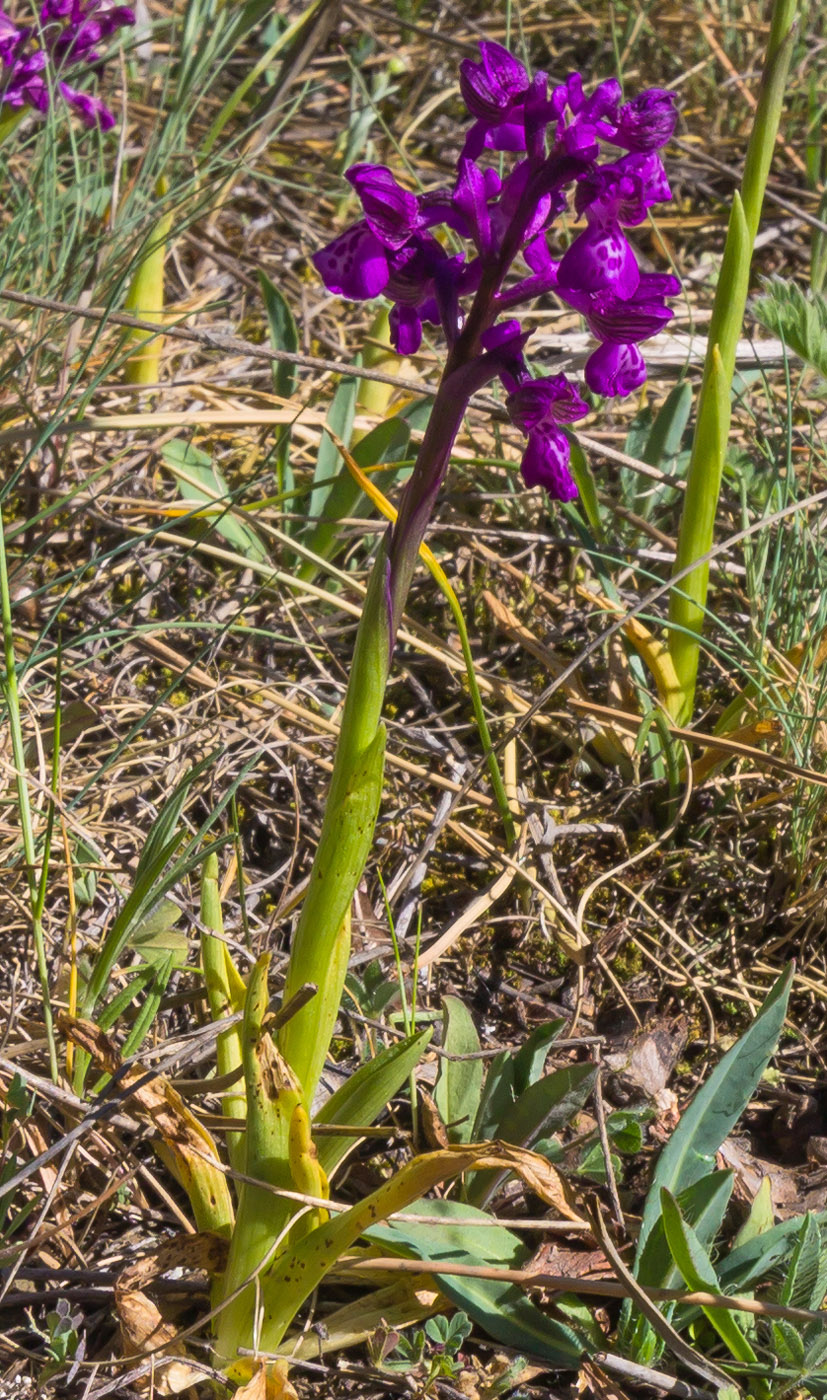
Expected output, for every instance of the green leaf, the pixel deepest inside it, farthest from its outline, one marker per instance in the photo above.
(328, 462)
(497, 1096)
(717, 1106)
(703, 1205)
(162, 970)
(181, 456)
(697, 1272)
(625, 1130)
(749, 1263)
(805, 1282)
(545, 1107)
(459, 1086)
(798, 318)
(162, 864)
(284, 335)
(584, 480)
(787, 1344)
(157, 936)
(530, 1059)
(365, 1093)
(501, 1309)
(666, 435)
(760, 1218)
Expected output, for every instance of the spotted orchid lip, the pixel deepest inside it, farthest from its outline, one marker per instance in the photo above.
(558, 135)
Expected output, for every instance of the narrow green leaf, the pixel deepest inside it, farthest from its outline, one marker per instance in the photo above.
(496, 1098)
(387, 442)
(545, 1107)
(366, 1092)
(328, 463)
(162, 970)
(697, 1272)
(749, 1263)
(760, 1218)
(717, 1106)
(530, 1059)
(548, 1105)
(586, 487)
(284, 335)
(157, 937)
(459, 1086)
(703, 1205)
(666, 434)
(182, 457)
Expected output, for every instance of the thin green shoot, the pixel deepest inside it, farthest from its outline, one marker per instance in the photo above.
(239, 869)
(12, 699)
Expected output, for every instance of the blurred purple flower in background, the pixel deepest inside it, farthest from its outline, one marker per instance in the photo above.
(558, 136)
(67, 42)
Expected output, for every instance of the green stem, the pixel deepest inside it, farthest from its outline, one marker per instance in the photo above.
(687, 604)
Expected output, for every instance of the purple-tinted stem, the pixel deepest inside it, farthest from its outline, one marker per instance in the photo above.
(466, 371)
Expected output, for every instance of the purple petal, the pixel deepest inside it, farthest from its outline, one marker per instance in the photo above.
(546, 463)
(25, 85)
(648, 121)
(489, 88)
(542, 402)
(471, 199)
(578, 139)
(658, 284)
(603, 102)
(53, 10)
(91, 110)
(11, 38)
(574, 92)
(505, 136)
(503, 334)
(505, 73)
(504, 344)
(615, 370)
(412, 268)
(625, 190)
(354, 265)
(626, 322)
(539, 259)
(406, 329)
(647, 167)
(538, 111)
(392, 213)
(600, 259)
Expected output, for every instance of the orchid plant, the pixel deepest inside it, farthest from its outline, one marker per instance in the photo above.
(562, 140)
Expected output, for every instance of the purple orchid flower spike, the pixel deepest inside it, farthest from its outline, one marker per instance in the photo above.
(560, 135)
(67, 43)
